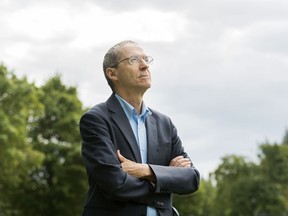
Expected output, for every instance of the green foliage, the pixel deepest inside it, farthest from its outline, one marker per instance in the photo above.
(198, 203)
(62, 113)
(274, 166)
(274, 162)
(40, 160)
(285, 139)
(256, 196)
(227, 175)
(18, 105)
(241, 187)
(244, 188)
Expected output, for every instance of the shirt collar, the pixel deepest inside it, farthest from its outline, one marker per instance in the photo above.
(130, 111)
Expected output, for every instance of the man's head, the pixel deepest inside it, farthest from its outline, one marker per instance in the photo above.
(126, 67)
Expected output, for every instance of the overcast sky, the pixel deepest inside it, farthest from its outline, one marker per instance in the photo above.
(220, 68)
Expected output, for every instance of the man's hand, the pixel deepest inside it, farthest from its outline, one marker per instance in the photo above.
(141, 171)
(180, 161)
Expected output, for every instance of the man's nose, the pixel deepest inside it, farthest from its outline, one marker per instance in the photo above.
(143, 64)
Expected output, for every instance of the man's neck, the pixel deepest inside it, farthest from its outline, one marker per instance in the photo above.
(134, 100)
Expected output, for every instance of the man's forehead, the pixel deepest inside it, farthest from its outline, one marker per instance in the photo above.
(130, 49)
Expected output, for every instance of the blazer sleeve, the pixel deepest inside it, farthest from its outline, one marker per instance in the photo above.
(179, 180)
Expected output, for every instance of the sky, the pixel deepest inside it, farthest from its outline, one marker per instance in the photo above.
(220, 68)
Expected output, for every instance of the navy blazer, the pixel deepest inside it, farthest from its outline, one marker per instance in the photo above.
(105, 129)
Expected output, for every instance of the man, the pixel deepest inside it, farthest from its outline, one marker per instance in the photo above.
(132, 153)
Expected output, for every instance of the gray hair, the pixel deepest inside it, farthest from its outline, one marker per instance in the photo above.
(111, 58)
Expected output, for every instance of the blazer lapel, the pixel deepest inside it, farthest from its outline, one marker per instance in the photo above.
(151, 129)
(123, 124)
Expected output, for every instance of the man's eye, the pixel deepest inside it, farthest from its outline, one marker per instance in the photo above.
(146, 59)
(134, 59)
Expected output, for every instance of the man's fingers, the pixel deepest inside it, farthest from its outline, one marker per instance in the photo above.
(186, 164)
(120, 157)
(180, 161)
(176, 161)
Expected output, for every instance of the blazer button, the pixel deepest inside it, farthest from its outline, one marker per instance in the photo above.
(164, 190)
(159, 203)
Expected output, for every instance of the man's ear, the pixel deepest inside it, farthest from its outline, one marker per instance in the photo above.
(111, 73)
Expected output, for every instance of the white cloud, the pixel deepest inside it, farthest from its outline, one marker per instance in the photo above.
(39, 22)
(94, 25)
(97, 26)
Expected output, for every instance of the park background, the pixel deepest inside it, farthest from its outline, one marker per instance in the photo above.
(219, 72)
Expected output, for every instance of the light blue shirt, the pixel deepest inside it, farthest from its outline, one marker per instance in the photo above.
(138, 126)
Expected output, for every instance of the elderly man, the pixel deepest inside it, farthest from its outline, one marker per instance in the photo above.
(133, 155)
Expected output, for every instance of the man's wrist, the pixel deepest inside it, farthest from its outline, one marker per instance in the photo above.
(148, 173)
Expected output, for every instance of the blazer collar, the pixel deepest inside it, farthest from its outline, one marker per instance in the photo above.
(120, 119)
(152, 141)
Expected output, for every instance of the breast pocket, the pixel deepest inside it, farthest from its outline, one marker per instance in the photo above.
(162, 155)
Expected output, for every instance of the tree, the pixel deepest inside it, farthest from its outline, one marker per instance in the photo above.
(227, 176)
(274, 162)
(19, 105)
(265, 191)
(40, 151)
(198, 203)
(245, 188)
(256, 196)
(60, 184)
(285, 138)
(274, 166)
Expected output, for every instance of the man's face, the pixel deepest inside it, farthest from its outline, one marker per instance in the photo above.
(134, 76)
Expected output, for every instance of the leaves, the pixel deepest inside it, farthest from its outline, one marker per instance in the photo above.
(239, 187)
(40, 160)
